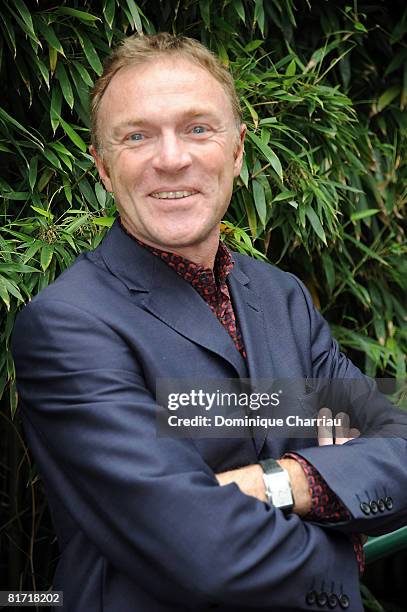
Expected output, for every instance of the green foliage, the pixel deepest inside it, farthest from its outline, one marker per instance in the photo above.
(323, 186)
(322, 190)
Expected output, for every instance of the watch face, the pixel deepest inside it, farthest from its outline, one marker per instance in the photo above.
(278, 489)
(283, 497)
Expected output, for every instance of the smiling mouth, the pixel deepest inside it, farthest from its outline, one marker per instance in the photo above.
(172, 195)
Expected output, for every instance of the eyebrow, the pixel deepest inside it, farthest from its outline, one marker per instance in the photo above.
(186, 114)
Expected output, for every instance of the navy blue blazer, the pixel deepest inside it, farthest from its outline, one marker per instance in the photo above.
(141, 521)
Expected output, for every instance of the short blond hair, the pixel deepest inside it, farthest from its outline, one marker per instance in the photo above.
(139, 49)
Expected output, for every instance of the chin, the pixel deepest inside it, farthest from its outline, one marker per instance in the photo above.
(182, 238)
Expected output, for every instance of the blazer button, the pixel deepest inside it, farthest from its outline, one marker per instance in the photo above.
(322, 599)
(332, 601)
(380, 505)
(365, 507)
(344, 601)
(311, 598)
(374, 507)
(388, 502)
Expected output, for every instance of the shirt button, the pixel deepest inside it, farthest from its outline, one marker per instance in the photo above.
(374, 507)
(311, 598)
(344, 601)
(365, 508)
(388, 502)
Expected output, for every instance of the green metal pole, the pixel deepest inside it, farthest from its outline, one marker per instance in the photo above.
(385, 545)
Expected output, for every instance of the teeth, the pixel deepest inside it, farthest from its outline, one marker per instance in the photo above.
(175, 195)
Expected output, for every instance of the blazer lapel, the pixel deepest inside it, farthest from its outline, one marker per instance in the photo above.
(168, 296)
(179, 305)
(250, 315)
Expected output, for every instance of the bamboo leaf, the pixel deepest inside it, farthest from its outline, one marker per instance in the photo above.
(4, 293)
(9, 32)
(315, 223)
(104, 221)
(16, 195)
(253, 45)
(365, 249)
(244, 173)
(90, 53)
(387, 97)
(16, 267)
(6, 118)
(259, 200)
(135, 15)
(239, 8)
(43, 212)
(329, 270)
(47, 252)
(362, 214)
(44, 179)
(88, 193)
(259, 15)
(52, 158)
(291, 68)
(269, 155)
(83, 73)
(43, 70)
(12, 288)
(64, 10)
(284, 195)
(55, 107)
(109, 7)
(65, 84)
(32, 173)
(25, 15)
(73, 135)
(53, 58)
(100, 194)
(48, 33)
(205, 10)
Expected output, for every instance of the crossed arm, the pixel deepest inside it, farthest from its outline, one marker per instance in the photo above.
(250, 481)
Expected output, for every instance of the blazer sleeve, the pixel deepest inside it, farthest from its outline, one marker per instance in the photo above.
(368, 474)
(151, 505)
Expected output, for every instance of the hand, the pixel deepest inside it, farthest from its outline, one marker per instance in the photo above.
(249, 479)
(343, 433)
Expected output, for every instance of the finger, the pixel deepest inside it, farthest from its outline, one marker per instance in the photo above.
(342, 434)
(325, 433)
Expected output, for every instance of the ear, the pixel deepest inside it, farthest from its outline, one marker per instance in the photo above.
(239, 150)
(102, 169)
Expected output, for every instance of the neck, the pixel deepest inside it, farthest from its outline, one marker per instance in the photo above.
(202, 253)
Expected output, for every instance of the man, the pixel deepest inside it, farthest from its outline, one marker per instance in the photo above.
(142, 521)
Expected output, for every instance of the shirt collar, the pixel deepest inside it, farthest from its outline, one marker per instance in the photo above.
(192, 272)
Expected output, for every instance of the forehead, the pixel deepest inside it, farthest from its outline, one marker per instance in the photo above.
(163, 87)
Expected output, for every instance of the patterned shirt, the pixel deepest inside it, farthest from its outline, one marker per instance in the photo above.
(212, 287)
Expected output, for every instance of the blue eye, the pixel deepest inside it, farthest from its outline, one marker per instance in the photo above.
(136, 137)
(199, 129)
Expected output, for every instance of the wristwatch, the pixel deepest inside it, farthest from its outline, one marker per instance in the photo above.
(277, 484)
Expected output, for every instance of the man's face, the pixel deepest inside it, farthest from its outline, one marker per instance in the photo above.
(171, 149)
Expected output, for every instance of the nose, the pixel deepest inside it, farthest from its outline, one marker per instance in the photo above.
(172, 153)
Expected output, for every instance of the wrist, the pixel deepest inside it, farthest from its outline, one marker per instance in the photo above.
(300, 487)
